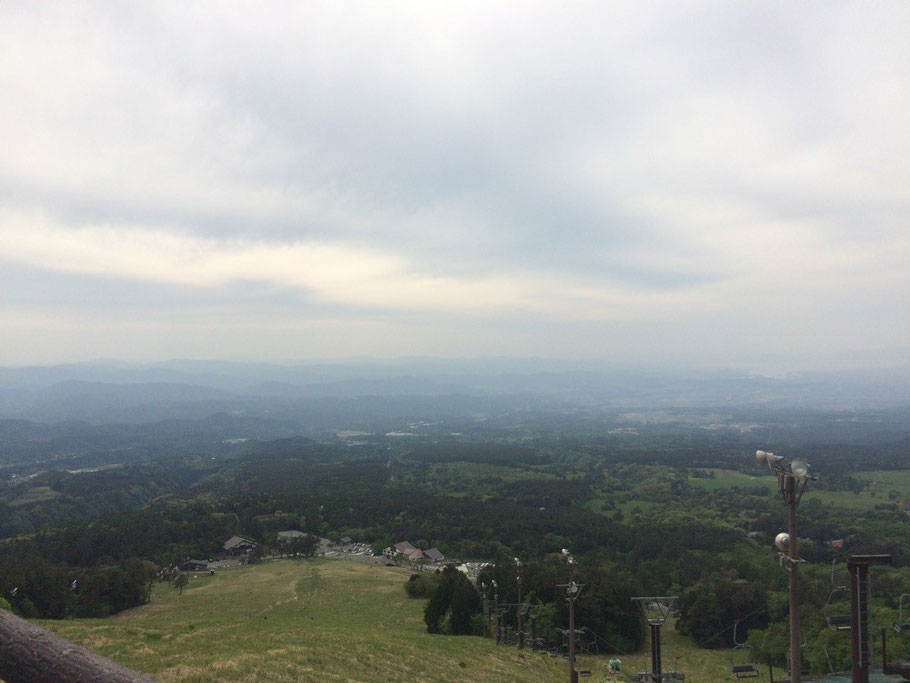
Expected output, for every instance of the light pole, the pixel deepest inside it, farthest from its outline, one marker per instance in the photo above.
(485, 608)
(496, 609)
(521, 633)
(792, 482)
(572, 590)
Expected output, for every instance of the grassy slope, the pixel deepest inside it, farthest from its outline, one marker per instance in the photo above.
(291, 621)
(325, 621)
(36, 494)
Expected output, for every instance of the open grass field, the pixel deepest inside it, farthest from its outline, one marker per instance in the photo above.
(885, 481)
(627, 508)
(327, 621)
(36, 494)
(888, 480)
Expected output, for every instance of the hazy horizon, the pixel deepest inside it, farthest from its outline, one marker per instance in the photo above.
(701, 185)
(852, 360)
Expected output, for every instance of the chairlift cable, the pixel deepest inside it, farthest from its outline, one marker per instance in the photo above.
(755, 611)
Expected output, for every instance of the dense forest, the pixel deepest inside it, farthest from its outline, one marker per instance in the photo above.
(669, 507)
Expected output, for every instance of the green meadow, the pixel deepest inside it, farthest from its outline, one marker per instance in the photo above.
(327, 620)
(884, 482)
(36, 494)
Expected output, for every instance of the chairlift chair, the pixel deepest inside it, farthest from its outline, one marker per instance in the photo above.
(903, 622)
(836, 622)
(739, 666)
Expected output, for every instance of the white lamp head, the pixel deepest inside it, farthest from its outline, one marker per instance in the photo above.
(782, 541)
(766, 458)
(800, 468)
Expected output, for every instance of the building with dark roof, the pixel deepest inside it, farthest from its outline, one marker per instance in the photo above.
(433, 555)
(290, 534)
(236, 545)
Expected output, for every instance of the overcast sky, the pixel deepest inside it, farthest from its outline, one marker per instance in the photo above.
(690, 182)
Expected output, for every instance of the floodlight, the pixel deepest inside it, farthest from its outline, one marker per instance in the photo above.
(800, 468)
(766, 458)
(573, 588)
(782, 541)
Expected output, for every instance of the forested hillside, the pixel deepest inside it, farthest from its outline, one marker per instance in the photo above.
(653, 504)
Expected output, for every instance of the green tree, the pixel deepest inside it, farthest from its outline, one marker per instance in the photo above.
(27, 608)
(421, 585)
(465, 603)
(707, 610)
(180, 582)
(452, 604)
(605, 606)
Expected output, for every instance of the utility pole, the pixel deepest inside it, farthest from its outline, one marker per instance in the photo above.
(486, 608)
(496, 610)
(792, 483)
(788, 489)
(573, 674)
(521, 633)
(572, 590)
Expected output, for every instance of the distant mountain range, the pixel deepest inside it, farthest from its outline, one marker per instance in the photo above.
(106, 392)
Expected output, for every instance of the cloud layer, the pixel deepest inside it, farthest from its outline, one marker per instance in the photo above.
(608, 180)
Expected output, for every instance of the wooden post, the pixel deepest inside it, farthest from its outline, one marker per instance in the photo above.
(30, 654)
(573, 674)
(521, 630)
(796, 655)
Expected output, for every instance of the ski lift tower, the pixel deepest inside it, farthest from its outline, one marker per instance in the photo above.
(656, 610)
(858, 567)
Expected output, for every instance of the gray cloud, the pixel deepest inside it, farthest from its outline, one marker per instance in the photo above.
(622, 172)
